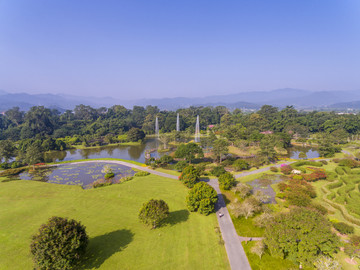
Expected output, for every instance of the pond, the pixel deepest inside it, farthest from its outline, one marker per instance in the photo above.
(264, 185)
(83, 174)
(128, 152)
(310, 152)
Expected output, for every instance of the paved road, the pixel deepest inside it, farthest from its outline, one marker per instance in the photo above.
(234, 249)
(261, 170)
(131, 165)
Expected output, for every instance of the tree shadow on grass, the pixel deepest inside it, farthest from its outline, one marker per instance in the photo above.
(102, 247)
(177, 217)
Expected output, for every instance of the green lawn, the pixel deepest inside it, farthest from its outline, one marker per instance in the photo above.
(117, 239)
(267, 262)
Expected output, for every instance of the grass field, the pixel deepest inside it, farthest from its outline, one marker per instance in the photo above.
(267, 262)
(117, 239)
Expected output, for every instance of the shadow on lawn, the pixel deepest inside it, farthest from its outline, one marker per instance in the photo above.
(104, 246)
(177, 217)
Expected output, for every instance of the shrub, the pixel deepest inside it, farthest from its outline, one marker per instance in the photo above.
(101, 183)
(282, 186)
(323, 162)
(109, 175)
(339, 170)
(15, 165)
(242, 189)
(298, 198)
(286, 169)
(327, 263)
(59, 244)
(318, 207)
(343, 228)
(263, 220)
(300, 235)
(249, 207)
(336, 160)
(274, 169)
(347, 170)
(218, 170)
(297, 177)
(316, 175)
(181, 165)
(307, 162)
(227, 162)
(201, 168)
(154, 212)
(190, 176)
(240, 165)
(348, 162)
(126, 178)
(202, 198)
(142, 173)
(226, 181)
(165, 159)
(11, 172)
(258, 248)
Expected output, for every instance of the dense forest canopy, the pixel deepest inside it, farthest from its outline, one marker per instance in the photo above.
(40, 122)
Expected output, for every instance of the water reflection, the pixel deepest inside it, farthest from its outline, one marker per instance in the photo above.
(132, 152)
(310, 152)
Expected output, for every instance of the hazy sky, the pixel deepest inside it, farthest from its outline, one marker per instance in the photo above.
(150, 48)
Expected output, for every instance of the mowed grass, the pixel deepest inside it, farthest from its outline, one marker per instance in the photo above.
(117, 239)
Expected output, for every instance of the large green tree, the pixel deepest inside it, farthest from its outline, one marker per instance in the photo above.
(154, 212)
(220, 147)
(300, 235)
(190, 176)
(59, 244)
(7, 150)
(135, 134)
(188, 151)
(202, 198)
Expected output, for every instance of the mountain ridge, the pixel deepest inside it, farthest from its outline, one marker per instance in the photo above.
(301, 99)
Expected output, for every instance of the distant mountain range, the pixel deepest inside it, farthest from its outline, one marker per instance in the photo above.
(301, 99)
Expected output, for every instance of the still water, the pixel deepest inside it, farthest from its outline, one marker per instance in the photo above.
(310, 152)
(83, 174)
(133, 152)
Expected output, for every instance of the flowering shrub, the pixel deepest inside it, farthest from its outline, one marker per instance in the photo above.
(286, 169)
(316, 175)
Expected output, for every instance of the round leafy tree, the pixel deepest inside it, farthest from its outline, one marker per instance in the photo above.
(189, 151)
(154, 212)
(202, 198)
(135, 134)
(226, 181)
(59, 244)
(241, 164)
(189, 176)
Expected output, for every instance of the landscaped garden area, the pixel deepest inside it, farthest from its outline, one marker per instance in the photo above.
(117, 240)
(329, 188)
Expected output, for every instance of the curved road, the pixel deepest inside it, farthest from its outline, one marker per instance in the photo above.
(234, 249)
(262, 169)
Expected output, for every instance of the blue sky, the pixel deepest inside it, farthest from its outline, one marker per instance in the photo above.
(131, 49)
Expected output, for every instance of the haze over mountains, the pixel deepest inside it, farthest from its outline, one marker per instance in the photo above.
(301, 99)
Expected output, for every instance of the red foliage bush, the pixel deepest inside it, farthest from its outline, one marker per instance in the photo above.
(286, 169)
(314, 176)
